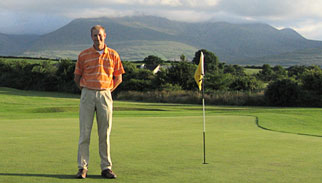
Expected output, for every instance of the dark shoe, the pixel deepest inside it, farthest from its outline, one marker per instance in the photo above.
(81, 174)
(109, 174)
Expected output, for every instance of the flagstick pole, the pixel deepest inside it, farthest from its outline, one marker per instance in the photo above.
(204, 122)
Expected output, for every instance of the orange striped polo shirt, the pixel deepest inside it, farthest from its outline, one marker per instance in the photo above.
(97, 70)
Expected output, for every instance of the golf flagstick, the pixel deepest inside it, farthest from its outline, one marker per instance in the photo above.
(199, 78)
(204, 122)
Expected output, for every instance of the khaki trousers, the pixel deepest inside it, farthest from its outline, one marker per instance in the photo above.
(100, 102)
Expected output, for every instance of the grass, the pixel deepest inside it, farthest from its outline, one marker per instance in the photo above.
(155, 142)
(27, 60)
(251, 71)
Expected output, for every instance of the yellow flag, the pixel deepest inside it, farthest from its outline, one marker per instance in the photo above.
(200, 71)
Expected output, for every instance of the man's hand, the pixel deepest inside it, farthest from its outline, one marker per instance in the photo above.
(77, 79)
(117, 80)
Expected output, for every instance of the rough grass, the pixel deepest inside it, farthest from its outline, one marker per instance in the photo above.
(156, 142)
(194, 97)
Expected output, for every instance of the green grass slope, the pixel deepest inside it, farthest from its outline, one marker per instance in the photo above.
(129, 50)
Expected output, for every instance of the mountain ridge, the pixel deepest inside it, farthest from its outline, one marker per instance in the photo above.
(139, 36)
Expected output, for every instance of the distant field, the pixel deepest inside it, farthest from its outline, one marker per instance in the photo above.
(250, 71)
(301, 57)
(132, 50)
(27, 60)
(156, 142)
(135, 50)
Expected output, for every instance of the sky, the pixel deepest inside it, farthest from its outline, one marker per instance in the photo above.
(43, 16)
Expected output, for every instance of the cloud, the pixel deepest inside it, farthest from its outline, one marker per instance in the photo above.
(165, 3)
(268, 9)
(256, 8)
(303, 16)
(31, 23)
(182, 10)
(272, 8)
(309, 29)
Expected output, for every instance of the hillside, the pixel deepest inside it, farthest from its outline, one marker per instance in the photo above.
(312, 56)
(137, 37)
(15, 44)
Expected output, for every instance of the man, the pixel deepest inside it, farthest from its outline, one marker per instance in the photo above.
(98, 72)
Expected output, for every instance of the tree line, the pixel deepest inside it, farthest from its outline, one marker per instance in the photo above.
(293, 86)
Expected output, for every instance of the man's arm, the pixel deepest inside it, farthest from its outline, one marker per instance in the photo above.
(77, 79)
(117, 81)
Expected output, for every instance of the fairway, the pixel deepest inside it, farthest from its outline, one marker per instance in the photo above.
(159, 142)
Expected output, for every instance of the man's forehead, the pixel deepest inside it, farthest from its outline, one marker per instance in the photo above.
(98, 31)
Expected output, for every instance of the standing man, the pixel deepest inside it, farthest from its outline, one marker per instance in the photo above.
(98, 72)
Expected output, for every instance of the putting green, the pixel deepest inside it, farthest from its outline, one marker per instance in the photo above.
(157, 142)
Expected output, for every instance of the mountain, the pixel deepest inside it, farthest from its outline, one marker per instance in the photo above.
(15, 44)
(310, 56)
(139, 36)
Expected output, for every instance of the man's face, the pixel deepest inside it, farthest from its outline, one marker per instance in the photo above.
(98, 37)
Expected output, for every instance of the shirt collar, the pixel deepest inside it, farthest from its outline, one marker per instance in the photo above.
(105, 48)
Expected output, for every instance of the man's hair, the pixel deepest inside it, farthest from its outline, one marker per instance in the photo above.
(97, 27)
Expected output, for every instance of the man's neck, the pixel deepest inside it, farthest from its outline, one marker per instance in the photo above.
(99, 47)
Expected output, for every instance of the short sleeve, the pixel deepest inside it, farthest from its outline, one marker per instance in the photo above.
(78, 67)
(118, 67)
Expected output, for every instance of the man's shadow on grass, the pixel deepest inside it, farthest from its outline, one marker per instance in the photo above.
(58, 176)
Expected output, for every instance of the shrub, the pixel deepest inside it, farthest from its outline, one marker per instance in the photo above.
(310, 99)
(246, 83)
(285, 92)
(218, 81)
(312, 80)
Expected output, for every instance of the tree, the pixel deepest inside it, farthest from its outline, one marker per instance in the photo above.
(152, 61)
(297, 71)
(234, 70)
(183, 58)
(161, 79)
(182, 74)
(279, 72)
(65, 76)
(136, 79)
(211, 61)
(266, 74)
